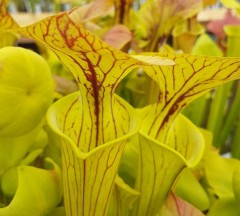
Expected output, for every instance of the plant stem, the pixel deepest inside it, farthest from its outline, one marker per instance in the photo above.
(217, 110)
(231, 116)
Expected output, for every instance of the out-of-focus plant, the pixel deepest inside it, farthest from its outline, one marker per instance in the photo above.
(6, 21)
(26, 92)
(117, 160)
(218, 112)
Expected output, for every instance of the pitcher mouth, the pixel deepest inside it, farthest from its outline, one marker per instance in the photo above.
(52, 119)
(191, 162)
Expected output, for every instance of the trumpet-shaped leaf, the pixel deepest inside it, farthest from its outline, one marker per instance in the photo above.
(156, 19)
(89, 177)
(185, 34)
(37, 193)
(97, 67)
(233, 35)
(225, 189)
(93, 122)
(122, 198)
(157, 171)
(160, 163)
(221, 186)
(9, 178)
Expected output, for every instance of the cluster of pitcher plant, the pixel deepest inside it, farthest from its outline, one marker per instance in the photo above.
(105, 135)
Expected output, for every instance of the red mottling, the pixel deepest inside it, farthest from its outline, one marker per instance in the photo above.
(89, 77)
(71, 42)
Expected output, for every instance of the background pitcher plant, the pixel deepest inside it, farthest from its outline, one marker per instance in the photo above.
(115, 159)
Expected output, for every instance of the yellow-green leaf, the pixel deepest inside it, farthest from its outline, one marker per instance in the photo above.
(94, 123)
(59, 211)
(9, 182)
(88, 177)
(129, 161)
(220, 177)
(180, 84)
(208, 2)
(148, 25)
(206, 46)
(153, 59)
(26, 90)
(233, 35)
(225, 207)
(236, 181)
(9, 179)
(37, 193)
(185, 34)
(6, 21)
(230, 4)
(186, 139)
(160, 163)
(190, 25)
(14, 149)
(157, 170)
(122, 199)
(97, 68)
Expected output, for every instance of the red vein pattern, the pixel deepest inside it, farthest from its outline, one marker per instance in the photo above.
(87, 191)
(89, 177)
(97, 68)
(6, 21)
(158, 170)
(180, 84)
(88, 118)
